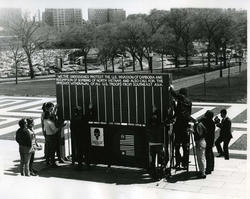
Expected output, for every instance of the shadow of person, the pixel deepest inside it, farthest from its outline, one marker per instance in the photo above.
(183, 176)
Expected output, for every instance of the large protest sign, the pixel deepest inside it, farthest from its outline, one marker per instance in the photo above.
(116, 98)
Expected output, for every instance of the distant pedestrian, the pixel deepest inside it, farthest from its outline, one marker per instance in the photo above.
(225, 135)
(24, 140)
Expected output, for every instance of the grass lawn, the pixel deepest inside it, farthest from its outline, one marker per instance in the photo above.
(34, 88)
(217, 90)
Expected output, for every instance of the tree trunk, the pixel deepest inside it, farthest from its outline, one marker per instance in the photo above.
(216, 56)
(140, 61)
(176, 61)
(32, 74)
(208, 56)
(133, 63)
(224, 56)
(85, 63)
(16, 71)
(162, 62)
(186, 56)
(113, 66)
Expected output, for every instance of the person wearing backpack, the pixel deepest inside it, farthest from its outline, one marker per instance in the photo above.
(183, 111)
(200, 132)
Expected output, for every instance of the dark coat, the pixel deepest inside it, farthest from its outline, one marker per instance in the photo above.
(154, 129)
(210, 126)
(23, 137)
(225, 128)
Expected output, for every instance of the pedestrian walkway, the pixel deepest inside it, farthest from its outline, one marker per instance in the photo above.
(228, 181)
(199, 79)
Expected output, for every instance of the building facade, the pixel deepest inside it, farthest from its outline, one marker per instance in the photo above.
(62, 17)
(10, 15)
(102, 16)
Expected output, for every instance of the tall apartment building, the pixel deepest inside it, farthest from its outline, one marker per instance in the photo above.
(102, 16)
(62, 17)
(9, 15)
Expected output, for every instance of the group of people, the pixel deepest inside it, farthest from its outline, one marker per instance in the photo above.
(204, 134)
(203, 130)
(51, 128)
(26, 139)
(28, 144)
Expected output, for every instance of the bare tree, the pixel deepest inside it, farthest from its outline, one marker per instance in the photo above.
(30, 35)
(15, 53)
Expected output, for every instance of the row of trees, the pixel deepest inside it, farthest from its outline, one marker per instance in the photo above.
(171, 33)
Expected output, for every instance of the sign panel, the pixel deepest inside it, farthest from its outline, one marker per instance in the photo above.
(97, 136)
(127, 145)
(116, 98)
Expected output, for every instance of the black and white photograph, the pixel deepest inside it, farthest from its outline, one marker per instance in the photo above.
(124, 99)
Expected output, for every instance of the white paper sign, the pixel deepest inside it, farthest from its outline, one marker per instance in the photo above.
(97, 136)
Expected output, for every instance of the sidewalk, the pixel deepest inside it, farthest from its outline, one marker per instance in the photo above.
(228, 181)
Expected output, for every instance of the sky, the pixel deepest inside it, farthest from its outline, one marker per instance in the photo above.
(130, 6)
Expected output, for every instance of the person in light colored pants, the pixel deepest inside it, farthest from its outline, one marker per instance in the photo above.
(201, 158)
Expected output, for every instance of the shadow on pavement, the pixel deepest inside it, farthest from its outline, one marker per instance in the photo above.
(97, 173)
(183, 176)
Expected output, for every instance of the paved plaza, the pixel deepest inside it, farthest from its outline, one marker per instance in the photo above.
(229, 179)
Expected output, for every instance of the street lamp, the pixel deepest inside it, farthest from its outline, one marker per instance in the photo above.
(229, 52)
(221, 58)
(151, 61)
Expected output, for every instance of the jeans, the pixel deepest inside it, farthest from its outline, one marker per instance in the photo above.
(201, 158)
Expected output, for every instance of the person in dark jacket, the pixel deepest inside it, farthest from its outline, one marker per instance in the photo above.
(225, 135)
(24, 140)
(76, 128)
(155, 138)
(183, 116)
(208, 122)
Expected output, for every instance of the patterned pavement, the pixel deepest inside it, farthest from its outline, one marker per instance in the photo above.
(12, 109)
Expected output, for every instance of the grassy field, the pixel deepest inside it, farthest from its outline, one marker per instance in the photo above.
(216, 90)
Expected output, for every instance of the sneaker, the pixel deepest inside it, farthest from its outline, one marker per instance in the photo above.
(220, 155)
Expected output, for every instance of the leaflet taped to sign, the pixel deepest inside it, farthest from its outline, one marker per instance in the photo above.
(97, 136)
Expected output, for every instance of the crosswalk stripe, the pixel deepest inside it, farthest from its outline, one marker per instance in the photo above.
(12, 109)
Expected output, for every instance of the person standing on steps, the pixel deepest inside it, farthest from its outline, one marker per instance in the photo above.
(183, 117)
(24, 140)
(207, 121)
(225, 135)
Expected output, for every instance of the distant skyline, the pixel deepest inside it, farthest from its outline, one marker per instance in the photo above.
(130, 6)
